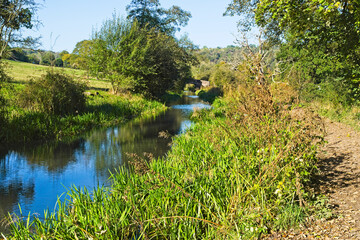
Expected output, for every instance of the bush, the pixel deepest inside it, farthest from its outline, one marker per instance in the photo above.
(189, 87)
(210, 94)
(222, 75)
(137, 59)
(54, 93)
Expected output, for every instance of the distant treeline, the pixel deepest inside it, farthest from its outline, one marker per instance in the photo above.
(42, 57)
(227, 54)
(217, 55)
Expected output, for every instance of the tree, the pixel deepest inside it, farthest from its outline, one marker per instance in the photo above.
(323, 32)
(48, 58)
(148, 13)
(138, 59)
(15, 15)
(81, 54)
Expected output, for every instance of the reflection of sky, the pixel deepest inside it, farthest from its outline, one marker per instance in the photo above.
(34, 179)
(184, 126)
(193, 96)
(191, 107)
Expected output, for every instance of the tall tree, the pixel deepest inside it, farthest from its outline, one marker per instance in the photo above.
(15, 15)
(149, 13)
(324, 32)
(138, 59)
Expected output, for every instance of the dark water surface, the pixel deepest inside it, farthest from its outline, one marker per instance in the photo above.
(34, 177)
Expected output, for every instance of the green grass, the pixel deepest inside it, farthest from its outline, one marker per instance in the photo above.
(22, 72)
(240, 172)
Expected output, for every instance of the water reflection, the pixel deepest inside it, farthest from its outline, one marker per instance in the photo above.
(34, 177)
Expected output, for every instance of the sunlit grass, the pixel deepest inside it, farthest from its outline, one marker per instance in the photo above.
(349, 115)
(22, 72)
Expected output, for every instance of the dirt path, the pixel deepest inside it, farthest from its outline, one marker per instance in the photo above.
(340, 181)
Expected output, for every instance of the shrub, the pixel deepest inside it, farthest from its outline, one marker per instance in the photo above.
(210, 94)
(222, 75)
(189, 87)
(54, 93)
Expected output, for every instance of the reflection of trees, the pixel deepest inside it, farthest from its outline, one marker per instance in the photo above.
(12, 187)
(110, 147)
(54, 156)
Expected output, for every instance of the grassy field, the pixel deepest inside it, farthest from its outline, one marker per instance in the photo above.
(22, 72)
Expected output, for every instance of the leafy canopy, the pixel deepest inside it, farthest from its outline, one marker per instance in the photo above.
(149, 13)
(15, 15)
(321, 36)
(138, 59)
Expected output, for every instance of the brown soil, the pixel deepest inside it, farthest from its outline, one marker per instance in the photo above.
(340, 182)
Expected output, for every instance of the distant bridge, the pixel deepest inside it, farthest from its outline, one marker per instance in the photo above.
(199, 83)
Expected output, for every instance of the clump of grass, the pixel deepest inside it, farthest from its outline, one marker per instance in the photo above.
(239, 173)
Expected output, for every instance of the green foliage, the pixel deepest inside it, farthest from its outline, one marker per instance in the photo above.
(138, 59)
(54, 93)
(14, 16)
(222, 75)
(170, 97)
(18, 54)
(317, 74)
(190, 87)
(227, 54)
(47, 58)
(322, 39)
(58, 62)
(80, 55)
(3, 104)
(149, 14)
(202, 71)
(210, 94)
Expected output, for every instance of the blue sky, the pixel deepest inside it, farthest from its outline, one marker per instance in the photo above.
(66, 22)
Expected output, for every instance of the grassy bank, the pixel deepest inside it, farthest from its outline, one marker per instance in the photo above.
(32, 119)
(101, 111)
(240, 172)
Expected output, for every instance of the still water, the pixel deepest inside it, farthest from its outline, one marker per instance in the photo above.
(34, 177)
